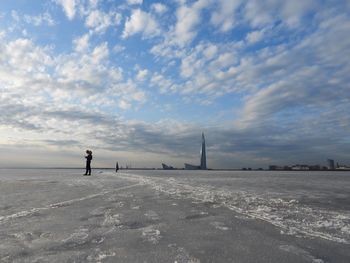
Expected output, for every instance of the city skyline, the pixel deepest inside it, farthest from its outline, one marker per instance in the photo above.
(137, 81)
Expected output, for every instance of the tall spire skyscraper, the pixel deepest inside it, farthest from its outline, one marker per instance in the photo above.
(203, 165)
(203, 155)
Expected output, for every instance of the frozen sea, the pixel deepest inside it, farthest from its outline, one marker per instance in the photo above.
(58, 215)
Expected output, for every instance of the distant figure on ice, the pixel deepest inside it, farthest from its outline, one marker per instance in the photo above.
(88, 162)
(116, 167)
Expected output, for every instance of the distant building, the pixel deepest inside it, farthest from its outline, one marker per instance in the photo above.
(343, 168)
(315, 167)
(192, 167)
(297, 167)
(203, 165)
(203, 155)
(276, 168)
(301, 167)
(331, 165)
(167, 167)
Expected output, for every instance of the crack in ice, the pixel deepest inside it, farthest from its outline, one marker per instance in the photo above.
(32, 211)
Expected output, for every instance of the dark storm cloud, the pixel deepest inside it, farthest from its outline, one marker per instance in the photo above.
(63, 142)
(16, 115)
(149, 138)
(79, 115)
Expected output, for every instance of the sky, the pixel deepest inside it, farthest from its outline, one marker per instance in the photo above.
(138, 81)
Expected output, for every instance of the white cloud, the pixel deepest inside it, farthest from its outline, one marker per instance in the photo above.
(2, 34)
(142, 74)
(100, 53)
(302, 77)
(135, 2)
(117, 19)
(260, 13)
(86, 71)
(168, 48)
(164, 84)
(94, 3)
(159, 8)
(80, 74)
(139, 96)
(205, 69)
(128, 92)
(210, 51)
(99, 21)
(33, 77)
(255, 36)
(124, 105)
(188, 18)
(224, 60)
(116, 74)
(82, 43)
(22, 54)
(68, 7)
(15, 15)
(39, 19)
(35, 20)
(224, 17)
(24, 33)
(118, 48)
(189, 65)
(293, 11)
(141, 22)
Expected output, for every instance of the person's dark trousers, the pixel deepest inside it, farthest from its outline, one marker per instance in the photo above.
(88, 168)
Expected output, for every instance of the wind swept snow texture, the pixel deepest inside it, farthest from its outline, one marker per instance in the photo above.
(293, 206)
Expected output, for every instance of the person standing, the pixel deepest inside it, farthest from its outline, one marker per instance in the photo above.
(88, 162)
(116, 167)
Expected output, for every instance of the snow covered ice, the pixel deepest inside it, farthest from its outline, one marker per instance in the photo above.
(174, 216)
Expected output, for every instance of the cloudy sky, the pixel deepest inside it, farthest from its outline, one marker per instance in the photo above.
(137, 81)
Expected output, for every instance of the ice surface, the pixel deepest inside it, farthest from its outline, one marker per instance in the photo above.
(173, 216)
(298, 251)
(290, 215)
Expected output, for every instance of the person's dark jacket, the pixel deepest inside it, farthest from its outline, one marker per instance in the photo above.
(88, 158)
